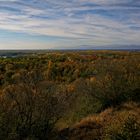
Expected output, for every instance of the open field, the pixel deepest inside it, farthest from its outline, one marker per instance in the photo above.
(70, 95)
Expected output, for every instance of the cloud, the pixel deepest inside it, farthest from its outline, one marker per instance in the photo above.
(93, 22)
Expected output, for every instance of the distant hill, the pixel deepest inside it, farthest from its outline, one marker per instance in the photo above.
(111, 47)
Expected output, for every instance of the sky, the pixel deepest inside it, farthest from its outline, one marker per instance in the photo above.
(69, 24)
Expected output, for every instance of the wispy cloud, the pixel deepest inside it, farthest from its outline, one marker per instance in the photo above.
(83, 22)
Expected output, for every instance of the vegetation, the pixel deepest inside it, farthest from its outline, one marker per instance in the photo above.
(89, 95)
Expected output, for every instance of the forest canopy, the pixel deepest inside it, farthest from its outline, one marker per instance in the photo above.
(51, 96)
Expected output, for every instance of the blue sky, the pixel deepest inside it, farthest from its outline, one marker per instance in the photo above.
(68, 24)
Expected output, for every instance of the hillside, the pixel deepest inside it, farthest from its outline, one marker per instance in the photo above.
(70, 95)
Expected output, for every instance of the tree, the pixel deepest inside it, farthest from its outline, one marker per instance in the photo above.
(29, 109)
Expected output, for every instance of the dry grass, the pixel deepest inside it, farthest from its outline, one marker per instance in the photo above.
(100, 126)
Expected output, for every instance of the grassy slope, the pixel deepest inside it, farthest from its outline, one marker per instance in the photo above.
(109, 124)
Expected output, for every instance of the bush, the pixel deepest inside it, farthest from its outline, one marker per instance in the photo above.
(127, 130)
